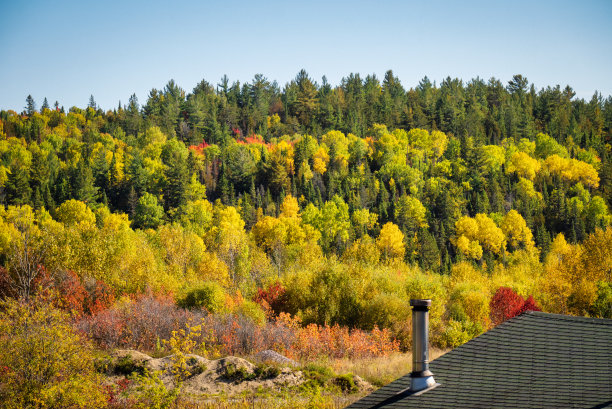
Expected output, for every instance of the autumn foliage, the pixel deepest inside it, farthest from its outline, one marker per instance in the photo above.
(303, 220)
(506, 303)
(272, 299)
(314, 341)
(144, 323)
(140, 323)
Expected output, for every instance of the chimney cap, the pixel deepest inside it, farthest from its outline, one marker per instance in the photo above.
(420, 303)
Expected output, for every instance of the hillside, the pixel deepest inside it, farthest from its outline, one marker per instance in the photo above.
(304, 218)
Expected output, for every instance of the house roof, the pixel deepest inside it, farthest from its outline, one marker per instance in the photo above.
(535, 360)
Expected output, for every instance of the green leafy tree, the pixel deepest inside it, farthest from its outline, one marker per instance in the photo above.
(148, 214)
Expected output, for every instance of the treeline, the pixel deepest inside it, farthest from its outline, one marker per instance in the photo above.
(420, 158)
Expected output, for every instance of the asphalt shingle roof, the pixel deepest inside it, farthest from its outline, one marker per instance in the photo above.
(535, 360)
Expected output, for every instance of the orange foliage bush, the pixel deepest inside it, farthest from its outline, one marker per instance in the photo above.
(338, 342)
(72, 294)
(234, 335)
(100, 298)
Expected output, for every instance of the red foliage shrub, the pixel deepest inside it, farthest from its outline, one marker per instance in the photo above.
(114, 391)
(5, 286)
(232, 334)
(506, 304)
(273, 299)
(236, 335)
(72, 294)
(100, 298)
(144, 322)
(529, 305)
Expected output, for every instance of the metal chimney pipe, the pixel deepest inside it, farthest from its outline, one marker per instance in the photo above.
(421, 376)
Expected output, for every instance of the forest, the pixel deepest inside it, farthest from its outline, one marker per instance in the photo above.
(312, 208)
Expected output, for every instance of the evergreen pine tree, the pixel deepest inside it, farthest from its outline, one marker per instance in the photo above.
(83, 186)
(223, 187)
(18, 190)
(429, 255)
(48, 198)
(37, 199)
(177, 179)
(30, 105)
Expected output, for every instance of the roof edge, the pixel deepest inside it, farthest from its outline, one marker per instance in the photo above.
(586, 320)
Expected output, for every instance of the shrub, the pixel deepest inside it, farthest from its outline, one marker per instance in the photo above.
(264, 371)
(457, 333)
(208, 295)
(529, 305)
(127, 366)
(384, 310)
(272, 299)
(470, 302)
(100, 298)
(506, 304)
(315, 341)
(317, 375)
(73, 294)
(182, 342)
(238, 374)
(44, 361)
(149, 392)
(252, 310)
(139, 323)
(602, 307)
(346, 383)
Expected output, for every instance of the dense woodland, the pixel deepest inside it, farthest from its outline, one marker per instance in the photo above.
(333, 204)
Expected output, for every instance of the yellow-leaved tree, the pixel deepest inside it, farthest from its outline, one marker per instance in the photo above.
(390, 241)
(523, 165)
(43, 361)
(231, 241)
(473, 235)
(518, 235)
(561, 271)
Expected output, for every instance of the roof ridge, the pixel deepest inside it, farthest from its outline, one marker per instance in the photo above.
(563, 317)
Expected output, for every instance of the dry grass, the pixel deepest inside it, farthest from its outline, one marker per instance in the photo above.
(381, 370)
(289, 401)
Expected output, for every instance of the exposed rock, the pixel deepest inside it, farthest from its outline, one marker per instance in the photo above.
(135, 356)
(269, 356)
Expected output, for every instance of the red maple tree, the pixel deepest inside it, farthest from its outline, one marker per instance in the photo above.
(506, 303)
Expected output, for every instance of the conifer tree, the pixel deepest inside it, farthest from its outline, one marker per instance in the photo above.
(30, 105)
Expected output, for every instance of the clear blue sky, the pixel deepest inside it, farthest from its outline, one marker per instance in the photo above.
(67, 50)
